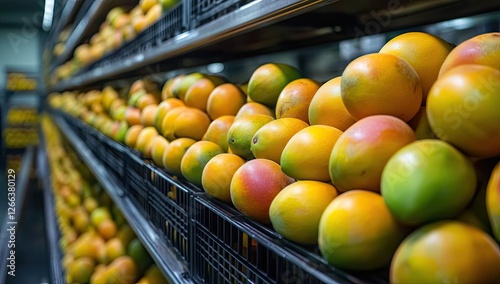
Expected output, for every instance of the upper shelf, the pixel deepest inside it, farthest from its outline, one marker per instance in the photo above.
(262, 26)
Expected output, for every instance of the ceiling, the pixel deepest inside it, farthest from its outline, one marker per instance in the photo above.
(18, 12)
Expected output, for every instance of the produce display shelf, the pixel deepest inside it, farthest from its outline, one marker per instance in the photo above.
(68, 14)
(87, 15)
(167, 259)
(248, 17)
(21, 183)
(43, 167)
(214, 240)
(91, 12)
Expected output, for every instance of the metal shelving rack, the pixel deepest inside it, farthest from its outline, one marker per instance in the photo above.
(217, 38)
(43, 167)
(163, 256)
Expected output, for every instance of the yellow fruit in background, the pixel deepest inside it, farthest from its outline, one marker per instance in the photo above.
(146, 100)
(198, 93)
(196, 157)
(180, 87)
(147, 4)
(81, 269)
(295, 98)
(153, 14)
(132, 134)
(153, 276)
(125, 234)
(148, 115)
(122, 270)
(114, 249)
(172, 156)
(144, 139)
(381, 84)
(357, 232)
(254, 108)
(163, 108)
(217, 131)
(306, 155)
(268, 80)
(98, 215)
(446, 252)
(159, 143)
(239, 136)
(218, 173)
(327, 107)
(167, 90)
(295, 212)
(424, 52)
(107, 229)
(270, 140)
(225, 99)
(462, 108)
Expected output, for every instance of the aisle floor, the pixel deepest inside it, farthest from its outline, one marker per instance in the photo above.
(32, 257)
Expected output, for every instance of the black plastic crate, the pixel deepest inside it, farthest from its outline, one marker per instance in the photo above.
(136, 180)
(114, 157)
(205, 11)
(170, 219)
(227, 248)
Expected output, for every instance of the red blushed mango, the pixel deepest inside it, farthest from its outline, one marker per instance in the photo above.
(482, 49)
(254, 187)
(361, 152)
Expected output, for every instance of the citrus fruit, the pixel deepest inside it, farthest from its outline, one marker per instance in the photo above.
(173, 153)
(217, 174)
(270, 140)
(357, 231)
(217, 131)
(195, 159)
(295, 98)
(268, 80)
(225, 99)
(254, 186)
(295, 212)
(482, 49)
(381, 84)
(327, 107)
(240, 134)
(306, 155)
(462, 108)
(445, 252)
(424, 52)
(360, 154)
(427, 180)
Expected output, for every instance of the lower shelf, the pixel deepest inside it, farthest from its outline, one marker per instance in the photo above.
(209, 241)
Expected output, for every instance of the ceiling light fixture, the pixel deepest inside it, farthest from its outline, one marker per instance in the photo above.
(48, 15)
